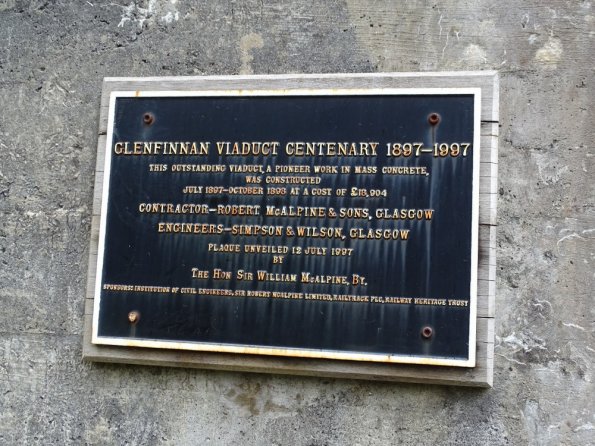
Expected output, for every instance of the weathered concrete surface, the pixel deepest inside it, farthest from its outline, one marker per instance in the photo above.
(53, 56)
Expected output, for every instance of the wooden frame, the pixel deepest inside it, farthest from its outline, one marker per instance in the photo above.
(480, 375)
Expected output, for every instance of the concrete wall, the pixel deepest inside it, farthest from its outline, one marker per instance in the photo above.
(53, 56)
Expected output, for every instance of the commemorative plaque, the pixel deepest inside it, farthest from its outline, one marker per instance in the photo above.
(332, 223)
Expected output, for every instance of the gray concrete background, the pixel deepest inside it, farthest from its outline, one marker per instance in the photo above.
(53, 56)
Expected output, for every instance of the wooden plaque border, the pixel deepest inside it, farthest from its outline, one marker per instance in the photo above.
(480, 376)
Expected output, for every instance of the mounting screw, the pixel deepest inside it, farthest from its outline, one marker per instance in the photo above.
(427, 332)
(133, 317)
(434, 118)
(148, 118)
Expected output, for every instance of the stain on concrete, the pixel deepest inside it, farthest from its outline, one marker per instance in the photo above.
(248, 44)
(142, 13)
(550, 53)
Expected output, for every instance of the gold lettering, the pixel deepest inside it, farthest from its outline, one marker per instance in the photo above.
(347, 149)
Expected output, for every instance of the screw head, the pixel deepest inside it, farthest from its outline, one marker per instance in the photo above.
(148, 118)
(427, 332)
(434, 118)
(133, 317)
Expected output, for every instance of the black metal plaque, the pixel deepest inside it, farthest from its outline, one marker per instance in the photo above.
(323, 223)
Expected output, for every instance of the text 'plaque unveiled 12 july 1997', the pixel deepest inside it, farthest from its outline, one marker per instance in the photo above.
(336, 224)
